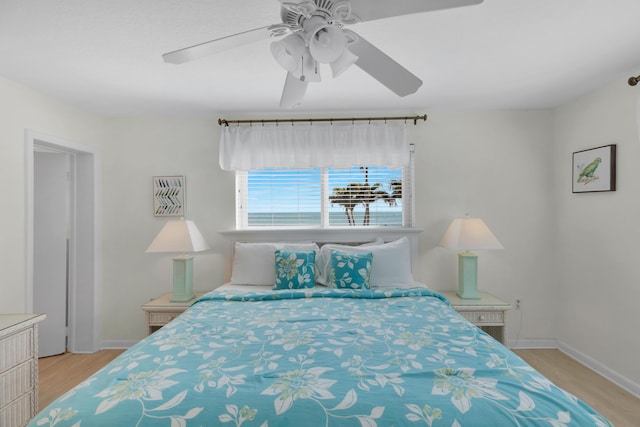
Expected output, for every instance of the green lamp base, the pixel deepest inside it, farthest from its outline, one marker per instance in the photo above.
(468, 276)
(182, 279)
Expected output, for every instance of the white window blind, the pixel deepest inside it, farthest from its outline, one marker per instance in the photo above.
(325, 197)
(365, 196)
(283, 197)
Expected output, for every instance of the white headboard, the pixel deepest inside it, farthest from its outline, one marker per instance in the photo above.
(342, 235)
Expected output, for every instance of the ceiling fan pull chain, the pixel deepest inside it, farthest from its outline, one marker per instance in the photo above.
(302, 77)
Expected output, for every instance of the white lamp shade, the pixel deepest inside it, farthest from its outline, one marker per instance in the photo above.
(327, 44)
(178, 236)
(288, 51)
(340, 65)
(466, 234)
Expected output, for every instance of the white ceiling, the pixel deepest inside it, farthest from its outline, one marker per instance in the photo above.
(105, 55)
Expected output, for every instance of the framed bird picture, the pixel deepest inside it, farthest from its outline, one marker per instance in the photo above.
(594, 170)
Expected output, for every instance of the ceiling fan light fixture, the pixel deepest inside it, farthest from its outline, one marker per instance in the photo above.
(327, 44)
(288, 51)
(340, 65)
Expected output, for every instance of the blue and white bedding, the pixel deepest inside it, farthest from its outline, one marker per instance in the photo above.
(319, 357)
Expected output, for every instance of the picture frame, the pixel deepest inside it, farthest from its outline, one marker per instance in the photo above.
(169, 195)
(594, 169)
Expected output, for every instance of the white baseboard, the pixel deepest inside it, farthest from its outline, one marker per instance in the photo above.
(587, 361)
(117, 344)
(601, 369)
(532, 344)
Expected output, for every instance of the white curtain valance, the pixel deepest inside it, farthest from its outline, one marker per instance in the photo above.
(339, 145)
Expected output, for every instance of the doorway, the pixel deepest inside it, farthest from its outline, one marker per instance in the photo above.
(51, 208)
(80, 260)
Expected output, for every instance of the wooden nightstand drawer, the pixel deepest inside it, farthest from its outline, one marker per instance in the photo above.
(487, 312)
(160, 311)
(161, 319)
(484, 317)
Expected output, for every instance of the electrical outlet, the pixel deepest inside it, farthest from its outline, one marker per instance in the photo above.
(518, 303)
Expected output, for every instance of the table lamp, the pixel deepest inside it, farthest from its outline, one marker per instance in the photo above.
(467, 234)
(183, 237)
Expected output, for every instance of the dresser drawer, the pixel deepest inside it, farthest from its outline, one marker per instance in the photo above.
(15, 382)
(19, 412)
(16, 348)
(484, 317)
(161, 319)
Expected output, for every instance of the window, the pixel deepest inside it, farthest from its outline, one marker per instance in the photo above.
(283, 197)
(325, 197)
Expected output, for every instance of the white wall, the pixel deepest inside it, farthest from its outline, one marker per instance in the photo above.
(493, 165)
(22, 108)
(598, 234)
(136, 150)
(485, 163)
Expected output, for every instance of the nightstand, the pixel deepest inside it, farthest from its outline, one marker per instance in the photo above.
(487, 313)
(161, 310)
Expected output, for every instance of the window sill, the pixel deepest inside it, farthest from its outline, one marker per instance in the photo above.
(321, 235)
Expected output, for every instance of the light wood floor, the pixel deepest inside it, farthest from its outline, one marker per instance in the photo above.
(619, 406)
(58, 374)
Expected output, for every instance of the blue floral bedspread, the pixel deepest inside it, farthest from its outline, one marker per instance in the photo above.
(318, 357)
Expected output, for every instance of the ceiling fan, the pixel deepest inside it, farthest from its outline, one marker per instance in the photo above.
(313, 32)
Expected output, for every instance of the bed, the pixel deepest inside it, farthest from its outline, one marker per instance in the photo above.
(312, 354)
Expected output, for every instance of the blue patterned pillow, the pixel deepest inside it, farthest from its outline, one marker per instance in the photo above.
(295, 270)
(351, 270)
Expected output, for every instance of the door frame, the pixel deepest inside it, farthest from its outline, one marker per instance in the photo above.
(84, 304)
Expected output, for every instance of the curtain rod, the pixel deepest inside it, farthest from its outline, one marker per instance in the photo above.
(415, 119)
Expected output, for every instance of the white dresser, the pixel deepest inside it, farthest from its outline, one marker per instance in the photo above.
(18, 368)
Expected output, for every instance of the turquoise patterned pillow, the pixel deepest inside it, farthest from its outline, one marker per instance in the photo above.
(295, 270)
(351, 270)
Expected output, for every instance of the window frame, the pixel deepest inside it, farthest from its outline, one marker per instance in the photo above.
(408, 208)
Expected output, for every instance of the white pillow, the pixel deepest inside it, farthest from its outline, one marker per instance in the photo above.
(323, 258)
(391, 264)
(254, 263)
(378, 241)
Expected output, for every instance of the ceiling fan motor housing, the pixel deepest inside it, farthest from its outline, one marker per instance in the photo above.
(294, 14)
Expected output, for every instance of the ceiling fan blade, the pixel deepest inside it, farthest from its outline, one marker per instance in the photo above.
(382, 68)
(293, 92)
(368, 10)
(190, 53)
